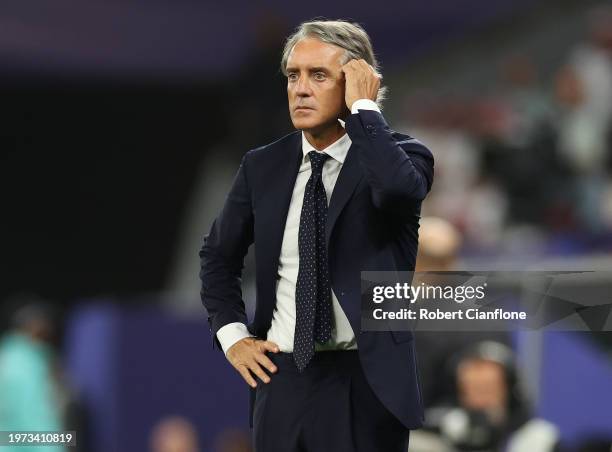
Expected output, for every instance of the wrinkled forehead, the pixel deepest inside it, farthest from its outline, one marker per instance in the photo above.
(313, 53)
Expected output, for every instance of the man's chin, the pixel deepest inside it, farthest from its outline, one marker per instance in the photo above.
(313, 126)
(305, 124)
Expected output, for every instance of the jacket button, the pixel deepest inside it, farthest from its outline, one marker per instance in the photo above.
(370, 127)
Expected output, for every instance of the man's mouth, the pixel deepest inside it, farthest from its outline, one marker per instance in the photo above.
(303, 108)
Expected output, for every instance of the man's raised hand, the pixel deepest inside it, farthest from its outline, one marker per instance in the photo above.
(361, 81)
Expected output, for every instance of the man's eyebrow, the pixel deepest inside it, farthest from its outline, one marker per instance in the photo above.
(311, 69)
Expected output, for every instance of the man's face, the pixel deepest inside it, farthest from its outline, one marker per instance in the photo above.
(482, 386)
(315, 85)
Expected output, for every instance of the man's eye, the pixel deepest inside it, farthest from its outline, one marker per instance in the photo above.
(292, 77)
(319, 76)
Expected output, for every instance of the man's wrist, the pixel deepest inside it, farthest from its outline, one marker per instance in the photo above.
(364, 104)
(231, 333)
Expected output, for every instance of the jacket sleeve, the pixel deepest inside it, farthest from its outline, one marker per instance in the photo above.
(398, 172)
(222, 256)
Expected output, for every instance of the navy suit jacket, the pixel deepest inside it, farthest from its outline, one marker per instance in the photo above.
(372, 224)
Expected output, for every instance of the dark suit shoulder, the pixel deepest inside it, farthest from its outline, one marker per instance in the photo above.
(412, 145)
(400, 136)
(278, 146)
(403, 139)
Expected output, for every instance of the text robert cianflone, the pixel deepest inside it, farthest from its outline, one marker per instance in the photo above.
(438, 314)
(411, 293)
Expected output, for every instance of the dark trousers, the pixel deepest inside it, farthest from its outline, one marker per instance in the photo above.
(328, 407)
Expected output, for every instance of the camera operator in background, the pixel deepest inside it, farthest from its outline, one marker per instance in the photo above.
(488, 413)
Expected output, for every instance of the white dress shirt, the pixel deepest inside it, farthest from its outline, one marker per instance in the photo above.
(282, 328)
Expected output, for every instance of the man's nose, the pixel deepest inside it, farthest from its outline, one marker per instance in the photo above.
(303, 87)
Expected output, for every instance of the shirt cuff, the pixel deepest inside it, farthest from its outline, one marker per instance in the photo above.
(231, 333)
(364, 104)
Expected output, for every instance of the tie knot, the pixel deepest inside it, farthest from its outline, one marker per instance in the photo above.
(317, 159)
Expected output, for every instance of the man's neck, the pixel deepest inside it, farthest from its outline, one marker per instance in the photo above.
(321, 139)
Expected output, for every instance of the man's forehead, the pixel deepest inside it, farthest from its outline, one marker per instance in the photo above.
(311, 52)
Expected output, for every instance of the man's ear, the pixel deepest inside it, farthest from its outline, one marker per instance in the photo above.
(345, 110)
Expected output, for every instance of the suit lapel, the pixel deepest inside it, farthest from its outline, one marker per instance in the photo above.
(273, 212)
(280, 207)
(349, 177)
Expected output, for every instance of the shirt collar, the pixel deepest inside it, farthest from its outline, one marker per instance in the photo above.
(337, 150)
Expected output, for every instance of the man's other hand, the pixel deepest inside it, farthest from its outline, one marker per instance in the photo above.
(361, 82)
(248, 355)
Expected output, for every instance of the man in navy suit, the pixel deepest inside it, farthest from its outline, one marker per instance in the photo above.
(339, 196)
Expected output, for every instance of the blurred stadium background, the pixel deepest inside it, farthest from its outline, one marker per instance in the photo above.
(122, 124)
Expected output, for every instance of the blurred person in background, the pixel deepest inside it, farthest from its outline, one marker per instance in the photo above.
(583, 94)
(527, 107)
(521, 155)
(31, 395)
(233, 440)
(488, 411)
(318, 398)
(174, 434)
(439, 245)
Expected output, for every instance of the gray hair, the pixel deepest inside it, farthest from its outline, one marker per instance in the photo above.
(349, 36)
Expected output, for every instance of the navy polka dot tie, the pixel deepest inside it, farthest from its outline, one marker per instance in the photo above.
(312, 294)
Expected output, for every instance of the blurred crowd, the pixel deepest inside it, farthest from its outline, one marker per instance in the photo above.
(524, 165)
